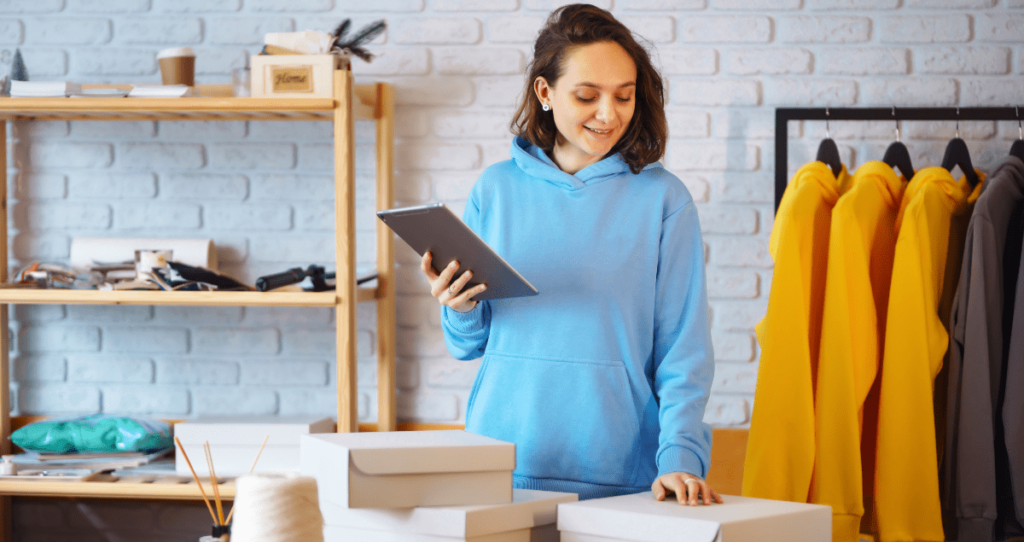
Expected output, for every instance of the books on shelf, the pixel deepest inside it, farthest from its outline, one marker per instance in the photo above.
(43, 89)
(160, 91)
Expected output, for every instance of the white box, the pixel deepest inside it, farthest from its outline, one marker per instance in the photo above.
(641, 518)
(547, 533)
(531, 513)
(294, 76)
(235, 441)
(403, 469)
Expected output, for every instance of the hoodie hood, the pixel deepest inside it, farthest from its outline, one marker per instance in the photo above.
(957, 196)
(536, 163)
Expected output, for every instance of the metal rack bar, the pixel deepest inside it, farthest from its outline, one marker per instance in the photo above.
(785, 114)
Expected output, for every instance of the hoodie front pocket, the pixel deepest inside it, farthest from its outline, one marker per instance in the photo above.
(569, 419)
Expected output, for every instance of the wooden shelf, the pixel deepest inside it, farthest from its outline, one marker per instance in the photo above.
(212, 105)
(166, 109)
(114, 490)
(137, 297)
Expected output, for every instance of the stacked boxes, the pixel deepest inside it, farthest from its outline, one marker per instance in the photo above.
(451, 486)
(425, 485)
(235, 441)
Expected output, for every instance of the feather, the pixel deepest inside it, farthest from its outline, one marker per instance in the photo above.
(363, 54)
(18, 71)
(339, 32)
(366, 35)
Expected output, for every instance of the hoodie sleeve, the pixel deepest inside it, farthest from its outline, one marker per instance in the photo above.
(683, 357)
(465, 333)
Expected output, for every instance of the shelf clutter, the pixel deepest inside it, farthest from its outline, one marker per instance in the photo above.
(373, 102)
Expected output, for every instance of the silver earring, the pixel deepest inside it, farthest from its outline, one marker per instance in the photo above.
(545, 107)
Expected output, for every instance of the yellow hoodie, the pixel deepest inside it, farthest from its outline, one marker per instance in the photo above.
(930, 236)
(860, 256)
(780, 449)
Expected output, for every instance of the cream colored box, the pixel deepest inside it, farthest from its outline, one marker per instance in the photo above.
(547, 533)
(235, 441)
(530, 517)
(403, 469)
(293, 76)
(641, 518)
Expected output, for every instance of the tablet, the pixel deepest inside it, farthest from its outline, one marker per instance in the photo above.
(434, 228)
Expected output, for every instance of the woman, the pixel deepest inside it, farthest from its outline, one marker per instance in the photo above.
(600, 380)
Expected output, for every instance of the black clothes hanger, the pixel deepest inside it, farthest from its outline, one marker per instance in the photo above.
(957, 154)
(828, 152)
(1017, 149)
(897, 155)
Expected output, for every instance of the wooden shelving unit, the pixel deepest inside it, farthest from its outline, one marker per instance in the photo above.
(371, 102)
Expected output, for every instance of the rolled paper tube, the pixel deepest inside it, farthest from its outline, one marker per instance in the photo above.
(89, 251)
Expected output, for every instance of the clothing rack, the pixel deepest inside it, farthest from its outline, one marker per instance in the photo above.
(785, 114)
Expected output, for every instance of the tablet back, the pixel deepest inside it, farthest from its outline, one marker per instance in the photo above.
(436, 229)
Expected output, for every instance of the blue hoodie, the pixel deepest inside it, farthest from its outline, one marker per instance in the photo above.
(602, 378)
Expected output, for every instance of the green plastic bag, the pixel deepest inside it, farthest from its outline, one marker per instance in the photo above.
(94, 433)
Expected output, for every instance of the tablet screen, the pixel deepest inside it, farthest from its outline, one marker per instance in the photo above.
(434, 228)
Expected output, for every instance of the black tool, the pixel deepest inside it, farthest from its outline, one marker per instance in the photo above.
(294, 275)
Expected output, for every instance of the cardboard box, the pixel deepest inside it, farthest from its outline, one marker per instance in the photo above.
(641, 518)
(548, 533)
(403, 469)
(294, 76)
(235, 441)
(531, 513)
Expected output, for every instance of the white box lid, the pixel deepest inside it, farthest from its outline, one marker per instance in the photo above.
(529, 508)
(419, 452)
(250, 430)
(642, 518)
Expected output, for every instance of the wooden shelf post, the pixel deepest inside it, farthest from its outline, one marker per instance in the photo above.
(386, 415)
(345, 251)
(6, 532)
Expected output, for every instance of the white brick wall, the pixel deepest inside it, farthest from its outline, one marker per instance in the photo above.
(263, 190)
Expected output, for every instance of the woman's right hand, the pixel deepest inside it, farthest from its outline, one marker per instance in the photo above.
(449, 293)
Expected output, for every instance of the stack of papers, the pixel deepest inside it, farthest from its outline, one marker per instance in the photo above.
(32, 466)
(43, 89)
(100, 93)
(160, 91)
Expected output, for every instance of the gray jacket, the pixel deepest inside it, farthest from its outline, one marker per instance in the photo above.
(977, 501)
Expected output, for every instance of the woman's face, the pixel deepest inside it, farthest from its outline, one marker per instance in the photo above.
(592, 103)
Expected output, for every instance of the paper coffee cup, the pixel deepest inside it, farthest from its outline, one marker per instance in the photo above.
(177, 66)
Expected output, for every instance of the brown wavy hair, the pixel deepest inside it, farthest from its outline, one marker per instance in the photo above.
(576, 25)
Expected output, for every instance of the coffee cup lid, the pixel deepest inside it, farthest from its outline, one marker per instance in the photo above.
(177, 51)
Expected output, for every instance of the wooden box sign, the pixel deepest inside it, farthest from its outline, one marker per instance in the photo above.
(309, 76)
(291, 79)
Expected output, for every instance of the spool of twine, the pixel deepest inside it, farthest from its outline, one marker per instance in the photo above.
(276, 508)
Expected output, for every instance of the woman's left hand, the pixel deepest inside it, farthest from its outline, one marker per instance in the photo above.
(688, 488)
